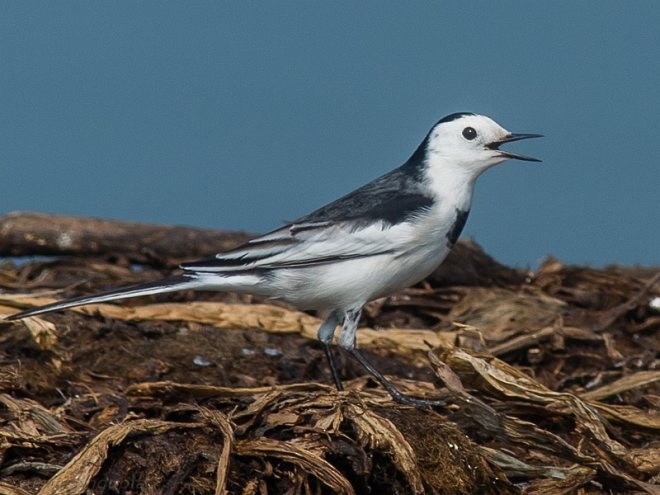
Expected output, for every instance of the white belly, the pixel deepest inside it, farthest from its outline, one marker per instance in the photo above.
(352, 283)
(410, 251)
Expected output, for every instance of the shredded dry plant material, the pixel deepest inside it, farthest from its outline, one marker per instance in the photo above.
(550, 380)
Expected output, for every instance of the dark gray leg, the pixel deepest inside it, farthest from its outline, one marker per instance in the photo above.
(325, 334)
(347, 341)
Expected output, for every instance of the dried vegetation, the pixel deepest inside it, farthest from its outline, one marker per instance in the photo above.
(550, 380)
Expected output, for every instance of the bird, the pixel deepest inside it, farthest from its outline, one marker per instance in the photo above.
(385, 236)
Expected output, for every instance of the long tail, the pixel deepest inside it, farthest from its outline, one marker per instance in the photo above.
(169, 284)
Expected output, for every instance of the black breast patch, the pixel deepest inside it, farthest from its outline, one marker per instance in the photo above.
(457, 227)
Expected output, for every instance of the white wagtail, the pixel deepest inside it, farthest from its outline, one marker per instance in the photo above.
(385, 236)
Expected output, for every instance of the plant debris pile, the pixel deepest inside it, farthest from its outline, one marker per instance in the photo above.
(550, 382)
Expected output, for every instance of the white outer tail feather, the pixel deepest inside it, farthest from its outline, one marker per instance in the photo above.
(169, 284)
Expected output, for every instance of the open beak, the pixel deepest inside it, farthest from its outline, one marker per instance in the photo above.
(510, 138)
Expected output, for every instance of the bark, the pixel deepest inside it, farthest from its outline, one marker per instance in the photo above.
(30, 234)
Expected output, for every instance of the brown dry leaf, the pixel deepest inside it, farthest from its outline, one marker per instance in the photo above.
(647, 460)
(501, 313)
(517, 468)
(379, 432)
(330, 423)
(545, 480)
(489, 373)
(306, 460)
(578, 333)
(284, 418)
(522, 341)
(30, 421)
(312, 444)
(251, 414)
(635, 380)
(402, 340)
(43, 332)
(6, 489)
(221, 423)
(173, 389)
(273, 319)
(74, 478)
(609, 316)
(576, 477)
(629, 414)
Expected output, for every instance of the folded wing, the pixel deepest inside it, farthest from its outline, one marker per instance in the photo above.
(295, 246)
(370, 221)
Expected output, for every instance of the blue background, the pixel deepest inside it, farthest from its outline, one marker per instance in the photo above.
(243, 114)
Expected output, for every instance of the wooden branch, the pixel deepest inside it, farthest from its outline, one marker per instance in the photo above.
(29, 234)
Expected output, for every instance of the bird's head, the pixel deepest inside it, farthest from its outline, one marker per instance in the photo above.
(472, 142)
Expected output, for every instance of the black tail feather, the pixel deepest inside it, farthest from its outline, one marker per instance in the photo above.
(169, 284)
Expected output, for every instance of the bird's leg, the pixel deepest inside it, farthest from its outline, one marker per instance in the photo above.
(396, 394)
(333, 366)
(347, 341)
(325, 334)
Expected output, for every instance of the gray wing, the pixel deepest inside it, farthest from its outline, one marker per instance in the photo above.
(348, 228)
(393, 198)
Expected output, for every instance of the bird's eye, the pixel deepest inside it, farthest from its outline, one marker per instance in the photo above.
(469, 133)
